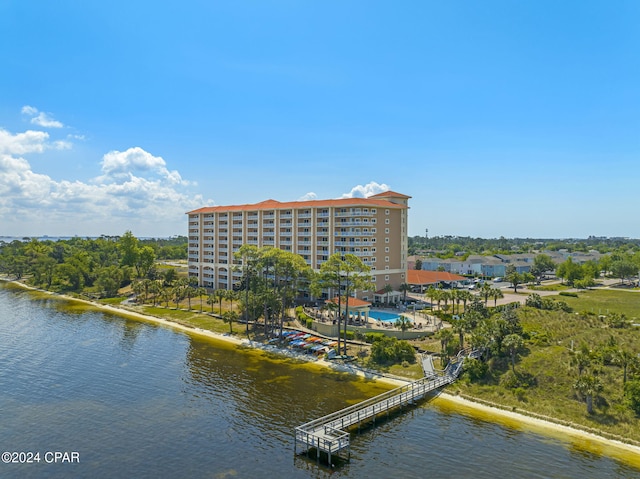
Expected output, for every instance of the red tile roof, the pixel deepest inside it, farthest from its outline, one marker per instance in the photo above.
(390, 193)
(355, 302)
(376, 200)
(416, 276)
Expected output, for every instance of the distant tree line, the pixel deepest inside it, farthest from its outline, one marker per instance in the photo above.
(94, 265)
(448, 246)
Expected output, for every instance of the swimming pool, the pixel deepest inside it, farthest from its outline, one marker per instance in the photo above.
(382, 316)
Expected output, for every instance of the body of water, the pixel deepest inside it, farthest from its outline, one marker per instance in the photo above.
(135, 400)
(383, 316)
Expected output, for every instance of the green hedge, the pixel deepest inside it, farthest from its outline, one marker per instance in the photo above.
(568, 293)
(373, 337)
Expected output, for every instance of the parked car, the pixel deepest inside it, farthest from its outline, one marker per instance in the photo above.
(497, 280)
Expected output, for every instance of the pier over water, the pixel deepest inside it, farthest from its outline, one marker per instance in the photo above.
(329, 434)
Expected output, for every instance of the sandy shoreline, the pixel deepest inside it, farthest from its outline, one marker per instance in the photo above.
(579, 438)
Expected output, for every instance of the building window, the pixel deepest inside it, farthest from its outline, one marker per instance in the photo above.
(386, 249)
(386, 212)
(386, 277)
(386, 259)
(373, 250)
(386, 231)
(386, 221)
(386, 240)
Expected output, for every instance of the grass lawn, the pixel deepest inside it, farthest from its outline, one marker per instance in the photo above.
(600, 301)
(548, 364)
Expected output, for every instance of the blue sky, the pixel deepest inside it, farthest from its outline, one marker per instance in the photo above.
(498, 118)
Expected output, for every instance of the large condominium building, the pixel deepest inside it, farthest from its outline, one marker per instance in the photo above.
(373, 228)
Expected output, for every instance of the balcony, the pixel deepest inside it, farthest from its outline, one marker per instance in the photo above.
(342, 214)
(351, 233)
(352, 223)
(352, 243)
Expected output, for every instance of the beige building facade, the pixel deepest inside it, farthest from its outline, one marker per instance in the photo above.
(373, 228)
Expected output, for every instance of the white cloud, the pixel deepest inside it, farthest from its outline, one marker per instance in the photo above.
(120, 164)
(135, 192)
(308, 197)
(28, 142)
(40, 118)
(371, 188)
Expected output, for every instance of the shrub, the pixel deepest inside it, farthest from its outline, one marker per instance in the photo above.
(534, 301)
(632, 394)
(309, 323)
(615, 320)
(475, 369)
(568, 293)
(373, 337)
(539, 338)
(519, 393)
(511, 380)
(389, 350)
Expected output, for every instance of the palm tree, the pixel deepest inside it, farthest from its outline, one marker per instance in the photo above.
(189, 292)
(387, 289)
(588, 386)
(459, 326)
(146, 284)
(485, 292)
(431, 294)
(137, 287)
(446, 296)
(165, 295)
(220, 295)
(581, 358)
(155, 289)
(438, 296)
(465, 296)
(230, 317)
(623, 358)
(201, 292)
(495, 294)
(513, 343)
(231, 297)
(445, 335)
(178, 291)
(403, 323)
(404, 288)
(211, 299)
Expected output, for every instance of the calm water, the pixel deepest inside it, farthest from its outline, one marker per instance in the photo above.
(140, 401)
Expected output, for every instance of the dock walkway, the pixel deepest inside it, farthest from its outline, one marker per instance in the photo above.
(329, 434)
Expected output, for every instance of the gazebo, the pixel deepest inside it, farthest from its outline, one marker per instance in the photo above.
(424, 279)
(392, 297)
(355, 306)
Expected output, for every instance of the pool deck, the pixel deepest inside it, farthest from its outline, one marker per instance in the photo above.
(421, 321)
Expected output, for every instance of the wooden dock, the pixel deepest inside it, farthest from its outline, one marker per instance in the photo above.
(329, 434)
